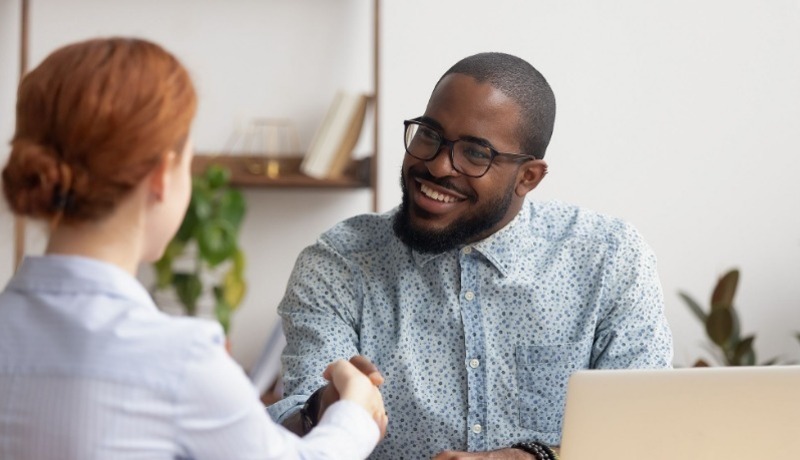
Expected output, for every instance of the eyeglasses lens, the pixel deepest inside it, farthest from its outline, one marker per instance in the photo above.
(469, 158)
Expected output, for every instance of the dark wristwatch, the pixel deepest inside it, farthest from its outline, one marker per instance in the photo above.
(537, 449)
(309, 413)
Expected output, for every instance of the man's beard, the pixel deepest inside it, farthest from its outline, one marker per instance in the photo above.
(465, 229)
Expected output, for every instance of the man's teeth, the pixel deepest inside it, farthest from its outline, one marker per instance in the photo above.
(434, 195)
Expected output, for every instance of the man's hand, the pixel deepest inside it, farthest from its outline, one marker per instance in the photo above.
(502, 454)
(366, 367)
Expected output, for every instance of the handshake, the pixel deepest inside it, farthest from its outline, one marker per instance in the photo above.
(357, 381)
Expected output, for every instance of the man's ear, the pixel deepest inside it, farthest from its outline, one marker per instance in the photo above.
(529, 175)
(158, 180)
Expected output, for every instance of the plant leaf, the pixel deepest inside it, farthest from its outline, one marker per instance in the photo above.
(239, 262)
(694, 306)
(217, 176)
(743, 354)
(163, 272)
(188, 287)
(233, 288)
(188, 224)
(772, 362)
(719, 326)
(174, 249)
(216, 241)
(163, 266)
(749, 359)
(202, 202)
(231, 207)
(725, 290)
(222, 310)
(735, 337)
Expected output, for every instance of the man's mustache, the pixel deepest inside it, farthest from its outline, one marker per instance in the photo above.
(443, 182)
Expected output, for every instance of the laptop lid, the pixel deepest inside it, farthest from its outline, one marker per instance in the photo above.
(722, 413)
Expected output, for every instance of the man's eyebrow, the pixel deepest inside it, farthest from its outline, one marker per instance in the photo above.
(435, 124)
(478, 140)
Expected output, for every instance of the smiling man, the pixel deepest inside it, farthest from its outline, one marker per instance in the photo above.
(475, 303)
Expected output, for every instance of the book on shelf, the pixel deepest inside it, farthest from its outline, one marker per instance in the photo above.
(331, 148)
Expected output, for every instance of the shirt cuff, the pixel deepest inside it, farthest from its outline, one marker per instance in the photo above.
(358, 425)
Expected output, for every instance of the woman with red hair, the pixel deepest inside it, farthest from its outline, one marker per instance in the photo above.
(89, 368)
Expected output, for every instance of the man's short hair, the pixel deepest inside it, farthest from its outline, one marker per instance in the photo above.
(520, 81)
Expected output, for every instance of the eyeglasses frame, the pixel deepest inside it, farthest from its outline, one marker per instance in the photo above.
(444, 142)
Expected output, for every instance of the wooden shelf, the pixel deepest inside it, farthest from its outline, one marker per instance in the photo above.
(252, 171)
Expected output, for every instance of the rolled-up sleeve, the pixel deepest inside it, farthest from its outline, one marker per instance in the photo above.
(320, 320)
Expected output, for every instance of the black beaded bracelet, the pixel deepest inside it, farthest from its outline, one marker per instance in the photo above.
(537, 449)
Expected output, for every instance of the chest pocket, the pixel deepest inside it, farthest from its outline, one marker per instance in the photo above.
(542, 374)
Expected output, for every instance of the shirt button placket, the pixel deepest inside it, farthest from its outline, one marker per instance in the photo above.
(475, 348)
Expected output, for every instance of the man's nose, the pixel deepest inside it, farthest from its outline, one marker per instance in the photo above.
(441, 165)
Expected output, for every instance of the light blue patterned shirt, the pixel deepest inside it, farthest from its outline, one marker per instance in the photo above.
(476, 344)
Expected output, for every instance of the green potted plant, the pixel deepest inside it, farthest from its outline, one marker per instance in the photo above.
(205, 253)
(722, 325)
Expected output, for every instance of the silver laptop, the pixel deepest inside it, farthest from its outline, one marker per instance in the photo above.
(722, 413)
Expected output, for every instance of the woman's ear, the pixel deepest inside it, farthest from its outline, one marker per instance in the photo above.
(158, 180)
(529, 175)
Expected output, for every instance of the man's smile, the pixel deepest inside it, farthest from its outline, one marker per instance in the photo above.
(434, 198)
(434, 195)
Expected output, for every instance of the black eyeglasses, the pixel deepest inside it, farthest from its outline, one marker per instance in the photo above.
(469, 157)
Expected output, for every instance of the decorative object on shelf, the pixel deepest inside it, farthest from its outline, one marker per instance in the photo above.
(205, 251)
(264, 143)
(723, 327)
(357, 175)
(265, 154)
(331, 148)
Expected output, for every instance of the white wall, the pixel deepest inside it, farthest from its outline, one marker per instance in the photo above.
(681, 117)
(266, 58)
(9, 75)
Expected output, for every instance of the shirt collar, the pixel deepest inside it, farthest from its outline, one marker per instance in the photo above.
(499, 248)
(422, 258)
(62, 273)
(502, 247)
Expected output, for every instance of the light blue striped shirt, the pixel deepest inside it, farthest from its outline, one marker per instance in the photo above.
(90, 369)
(476, 344)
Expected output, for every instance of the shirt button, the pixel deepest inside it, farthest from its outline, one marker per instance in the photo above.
(474, 363)
(469, 295)
(476, 428)
(467, 250)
